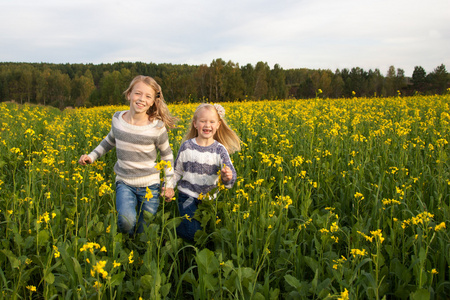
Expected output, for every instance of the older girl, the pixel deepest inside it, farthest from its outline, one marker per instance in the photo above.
(138, 135)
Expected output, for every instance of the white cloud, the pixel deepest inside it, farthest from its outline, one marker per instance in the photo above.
(325, 34)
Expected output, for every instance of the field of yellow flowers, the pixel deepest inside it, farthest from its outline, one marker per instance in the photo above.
(335, 199)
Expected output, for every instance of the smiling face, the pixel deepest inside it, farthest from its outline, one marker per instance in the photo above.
(206, 122)
(141, 97)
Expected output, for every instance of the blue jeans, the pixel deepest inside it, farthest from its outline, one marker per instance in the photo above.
(131, 204)
(187, 205)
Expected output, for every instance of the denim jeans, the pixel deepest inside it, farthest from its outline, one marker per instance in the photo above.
(187, 205)
(130, 205)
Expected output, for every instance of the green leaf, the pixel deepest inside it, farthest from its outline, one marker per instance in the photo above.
(258, 296)
(210, 282)
(207, 262)
(165, 289)
(49, 278)
(292, 281)
(43, 237)
(312, 263)
(421, 294)
(15, 263)
(147, 282)
(117, 279)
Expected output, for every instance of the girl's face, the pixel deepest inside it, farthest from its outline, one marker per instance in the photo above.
(141, 97)
(206, 123)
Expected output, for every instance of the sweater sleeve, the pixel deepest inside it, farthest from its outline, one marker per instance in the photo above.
(178, 167)
(166, 155)
(105, 145)
(225, 157)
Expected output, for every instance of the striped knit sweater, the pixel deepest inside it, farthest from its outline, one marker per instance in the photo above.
(197, 167)
(136, 149)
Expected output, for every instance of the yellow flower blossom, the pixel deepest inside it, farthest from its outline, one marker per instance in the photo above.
(356, 252)
(334, 227)
(440, 227)
(130, 257)
(344, 295)
(99, 268)
(148, 194)
(57, 253)
(31, 288)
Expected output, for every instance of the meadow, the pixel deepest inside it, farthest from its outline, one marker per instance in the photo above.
(335, 199)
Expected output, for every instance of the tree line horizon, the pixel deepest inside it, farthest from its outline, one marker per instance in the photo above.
(87, 85)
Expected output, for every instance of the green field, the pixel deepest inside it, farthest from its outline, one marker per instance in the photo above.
(335, 199)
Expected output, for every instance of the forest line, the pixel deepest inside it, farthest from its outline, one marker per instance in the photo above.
(86, 85)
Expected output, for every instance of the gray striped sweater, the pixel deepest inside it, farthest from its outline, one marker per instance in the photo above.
(136, 149)
(196, 167)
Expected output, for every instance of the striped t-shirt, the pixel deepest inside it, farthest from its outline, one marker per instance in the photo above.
(136, 149)
(197, 167)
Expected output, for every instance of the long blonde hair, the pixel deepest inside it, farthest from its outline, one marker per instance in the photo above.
(224, 134)
(159, 109)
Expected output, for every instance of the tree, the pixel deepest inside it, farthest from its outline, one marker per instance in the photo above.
(261, 85)
(233, 84)
(201, 78)
(82, 88)
(248, 75)
(216, 80)
(419, 79)
(337, 85)
(390, 89)
(439, 79)
(278, 89)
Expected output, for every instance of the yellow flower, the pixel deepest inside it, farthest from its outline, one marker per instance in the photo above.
(90, 247)
(32, 288)
(108, 229)
(334, 227)
(99, 268)
(116, 264)
(356, 252)
(344, 295)
(57, 253)
(149, 194)
(246, 215)
(439, 226)
(359, 195)
(130, 257)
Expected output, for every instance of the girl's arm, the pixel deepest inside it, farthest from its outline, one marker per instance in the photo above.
(85, 159)
(228, 172)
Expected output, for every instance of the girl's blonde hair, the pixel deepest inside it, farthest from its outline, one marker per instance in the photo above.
(159, 109)
(224, 134)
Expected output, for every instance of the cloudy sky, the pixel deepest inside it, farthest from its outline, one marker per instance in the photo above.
(321, 34)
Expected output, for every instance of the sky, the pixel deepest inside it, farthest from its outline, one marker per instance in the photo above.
(321, 34)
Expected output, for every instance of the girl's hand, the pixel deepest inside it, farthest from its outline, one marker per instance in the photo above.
(84, 159)
(226, 174)
(168, 194)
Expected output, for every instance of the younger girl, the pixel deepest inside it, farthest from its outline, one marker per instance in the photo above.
(138, 134)
(204, 152)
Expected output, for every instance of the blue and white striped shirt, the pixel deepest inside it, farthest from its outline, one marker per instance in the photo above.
(197, 168)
